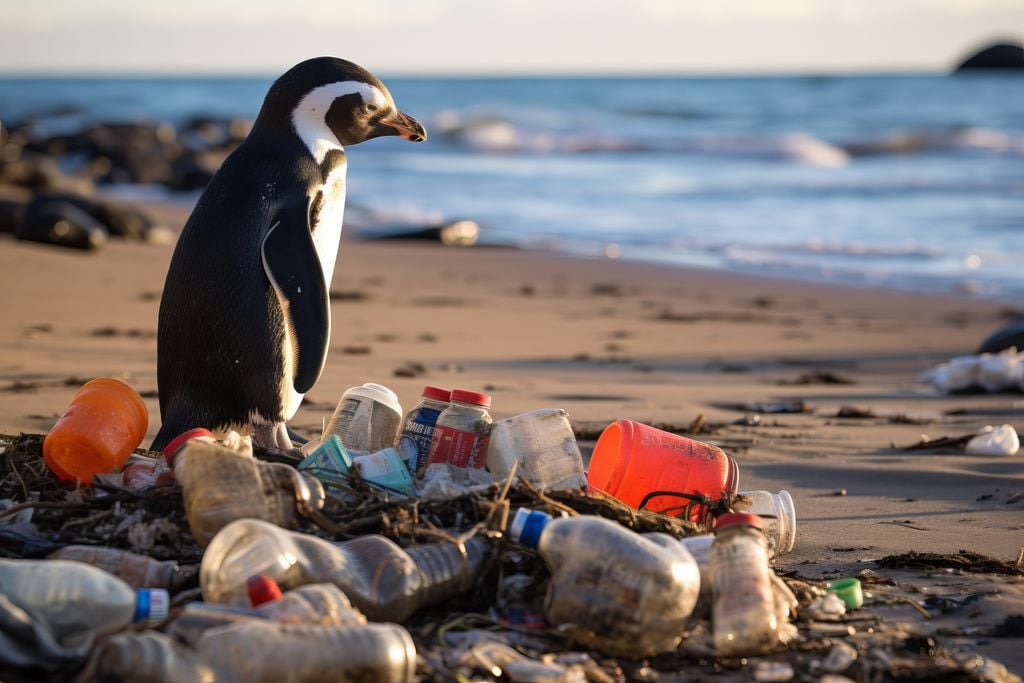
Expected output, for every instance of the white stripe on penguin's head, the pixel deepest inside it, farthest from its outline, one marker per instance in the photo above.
(310, 114)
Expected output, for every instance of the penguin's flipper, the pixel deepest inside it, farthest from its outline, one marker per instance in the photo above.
(293, 267)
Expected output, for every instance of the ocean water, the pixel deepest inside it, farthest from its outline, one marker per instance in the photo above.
(905, 181)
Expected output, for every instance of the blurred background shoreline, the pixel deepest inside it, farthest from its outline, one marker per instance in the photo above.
(908, 181)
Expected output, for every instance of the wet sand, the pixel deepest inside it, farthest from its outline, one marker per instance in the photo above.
(604, 340)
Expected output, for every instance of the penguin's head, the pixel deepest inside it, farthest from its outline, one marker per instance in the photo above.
(328, 101)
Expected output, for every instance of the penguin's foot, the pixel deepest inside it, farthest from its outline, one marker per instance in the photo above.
(273, 435)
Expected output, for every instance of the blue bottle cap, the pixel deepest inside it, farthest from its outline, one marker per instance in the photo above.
(152, 605)
(527, 525)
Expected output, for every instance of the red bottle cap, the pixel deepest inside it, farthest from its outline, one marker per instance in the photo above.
(473, 397)
(736, 519)
(437, 393)
(262, 589)
(179, 441)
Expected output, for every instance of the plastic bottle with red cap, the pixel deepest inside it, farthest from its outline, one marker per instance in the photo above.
(745, 618)
(624, 593)
(463, 431)
(418, 427)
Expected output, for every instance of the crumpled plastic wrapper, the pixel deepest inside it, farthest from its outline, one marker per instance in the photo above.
(1001, 440)
(992, 372)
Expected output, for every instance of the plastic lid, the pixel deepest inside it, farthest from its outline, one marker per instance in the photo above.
(437, 393)
(736, 519)
(471, 397)
(152, 604)
(527, 526)
(849, 591)
(376, 392)
(179, 441)
(262, 589)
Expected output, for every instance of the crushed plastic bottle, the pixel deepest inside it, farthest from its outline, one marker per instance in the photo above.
(56, 608)
(418, 427)
(261, 651)
(220, 485)
(543, 444)
(626, 594)
(778, 515)
(138, 571)
(367, 419)
(745, 616)
(384, 581)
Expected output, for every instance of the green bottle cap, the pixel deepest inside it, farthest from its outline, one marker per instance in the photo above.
(849, 591)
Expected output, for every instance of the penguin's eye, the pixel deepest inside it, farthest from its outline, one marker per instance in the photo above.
(371, 107)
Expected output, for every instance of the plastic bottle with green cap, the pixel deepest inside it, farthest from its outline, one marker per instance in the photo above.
(624, 593)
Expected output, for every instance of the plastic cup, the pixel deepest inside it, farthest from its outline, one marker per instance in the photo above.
(106, 421)
(631, 461)
(849, 591)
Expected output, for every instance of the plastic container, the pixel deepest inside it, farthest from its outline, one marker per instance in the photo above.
(220, 485)
(260, 651)
(543, 444)
(384, 581)
(462, 432)
(76, 599)
(632, 461)
(744, 614)
(418, 427)
(700, 548)
(105, 422)
(138, 571)
(849, 591)
(778, 516)
(386, 468)
(367, 419)
(626, 594)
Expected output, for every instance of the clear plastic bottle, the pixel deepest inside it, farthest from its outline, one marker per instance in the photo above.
(778, 516)
(384, 581)
(261, 651)
(77, 599)
(220, 485)
(543, 443)
(319, 604)
(367, 419)
(463, 431)
(138, 571)
(418, 427)
(700, 548)
(745, 617)
(626, 594)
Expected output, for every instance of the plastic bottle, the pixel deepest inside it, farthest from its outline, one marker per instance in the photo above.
(259, 651)
(105, 422)
(384, 581)
(138, 571)
(745, 617)
(778, 515)
(543, 444)
(626, 594)
(632, 461)
(220, 485)
(463, 431)
(367, 418)
(418, 427)
(700, 548)
(77, 599)
(142, 473)
(320, 604)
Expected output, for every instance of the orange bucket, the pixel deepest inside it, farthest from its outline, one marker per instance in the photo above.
(632, 461)
(106, 421)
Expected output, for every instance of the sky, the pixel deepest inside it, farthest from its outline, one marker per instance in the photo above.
(499, 36)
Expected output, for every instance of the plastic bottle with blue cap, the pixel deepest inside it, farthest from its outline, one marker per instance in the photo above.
(620, 592)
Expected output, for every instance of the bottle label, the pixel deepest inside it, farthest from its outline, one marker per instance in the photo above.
(414, 445)
(459, 448)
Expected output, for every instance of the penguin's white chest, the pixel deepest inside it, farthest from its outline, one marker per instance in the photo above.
(328, 220)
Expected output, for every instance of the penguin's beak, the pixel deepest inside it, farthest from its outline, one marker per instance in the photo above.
(404, 126)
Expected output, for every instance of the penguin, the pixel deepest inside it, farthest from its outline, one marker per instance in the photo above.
(244, 318)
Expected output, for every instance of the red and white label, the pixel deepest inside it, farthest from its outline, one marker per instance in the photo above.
(458, 448)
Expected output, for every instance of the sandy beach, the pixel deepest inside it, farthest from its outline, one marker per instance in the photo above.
(604, 340)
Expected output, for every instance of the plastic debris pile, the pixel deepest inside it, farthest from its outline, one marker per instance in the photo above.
(436, 545)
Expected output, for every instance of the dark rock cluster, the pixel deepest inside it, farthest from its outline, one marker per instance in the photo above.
(48, 182)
